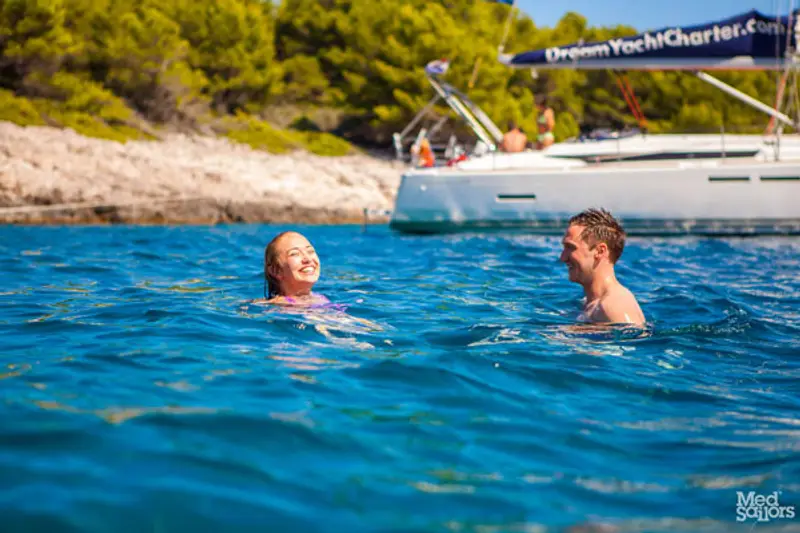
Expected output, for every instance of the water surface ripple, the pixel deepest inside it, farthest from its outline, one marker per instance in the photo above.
(141, 392)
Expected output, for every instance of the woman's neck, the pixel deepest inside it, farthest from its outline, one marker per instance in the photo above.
(298, 294)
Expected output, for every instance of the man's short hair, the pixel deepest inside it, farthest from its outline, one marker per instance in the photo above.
(600, 226)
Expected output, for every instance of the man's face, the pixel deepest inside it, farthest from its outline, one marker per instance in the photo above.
(579, 258)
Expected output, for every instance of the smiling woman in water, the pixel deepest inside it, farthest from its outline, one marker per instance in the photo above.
(291, 268)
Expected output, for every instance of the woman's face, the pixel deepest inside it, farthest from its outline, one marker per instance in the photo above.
(298, 266)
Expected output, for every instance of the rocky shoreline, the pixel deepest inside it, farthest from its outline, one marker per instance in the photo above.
(54, 176)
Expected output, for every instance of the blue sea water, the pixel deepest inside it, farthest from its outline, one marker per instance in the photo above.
(142, 393)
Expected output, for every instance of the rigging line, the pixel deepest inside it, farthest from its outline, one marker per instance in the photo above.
(629, 99)
(787, 73)
(778, 101)
(622, 90)
(511, 11)
(776, 6)
(787, 48)
(793, 100)
(776, 10)
(796, 97)
(625, 95)
(635, 100)
(474, 77)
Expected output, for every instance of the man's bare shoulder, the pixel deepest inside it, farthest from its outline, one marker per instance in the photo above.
(620, 306)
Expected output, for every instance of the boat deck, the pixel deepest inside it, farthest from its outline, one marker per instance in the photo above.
(615, 165)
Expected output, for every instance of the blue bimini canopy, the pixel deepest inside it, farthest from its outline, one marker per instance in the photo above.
(750, 41)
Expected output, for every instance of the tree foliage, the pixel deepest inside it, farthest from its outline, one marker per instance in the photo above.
(183, 61)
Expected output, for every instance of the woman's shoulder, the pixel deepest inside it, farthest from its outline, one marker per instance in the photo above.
(273, 300)
(280, 300)
(313, 300)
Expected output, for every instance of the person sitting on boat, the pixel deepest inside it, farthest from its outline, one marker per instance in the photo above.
(545, 122)
(426, 157)
(291, 268)
(515, 140)
(593, 243)
(422, 154)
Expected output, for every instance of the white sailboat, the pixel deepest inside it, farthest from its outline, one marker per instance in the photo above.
(656, 184)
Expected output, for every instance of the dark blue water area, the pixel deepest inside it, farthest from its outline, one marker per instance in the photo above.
(142, 392)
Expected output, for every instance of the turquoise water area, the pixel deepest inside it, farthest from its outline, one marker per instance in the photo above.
(141, 393)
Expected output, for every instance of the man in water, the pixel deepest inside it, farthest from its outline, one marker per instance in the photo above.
(593, 243)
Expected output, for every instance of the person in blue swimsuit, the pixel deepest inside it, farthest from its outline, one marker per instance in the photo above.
(291, 268)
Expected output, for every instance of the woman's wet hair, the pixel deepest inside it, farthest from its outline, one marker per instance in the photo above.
(272, 286)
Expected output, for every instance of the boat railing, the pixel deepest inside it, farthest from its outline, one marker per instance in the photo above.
(478, 121)
(489, 135)
(722, 140)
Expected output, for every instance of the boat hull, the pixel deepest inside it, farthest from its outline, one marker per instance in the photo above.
(690, 198)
